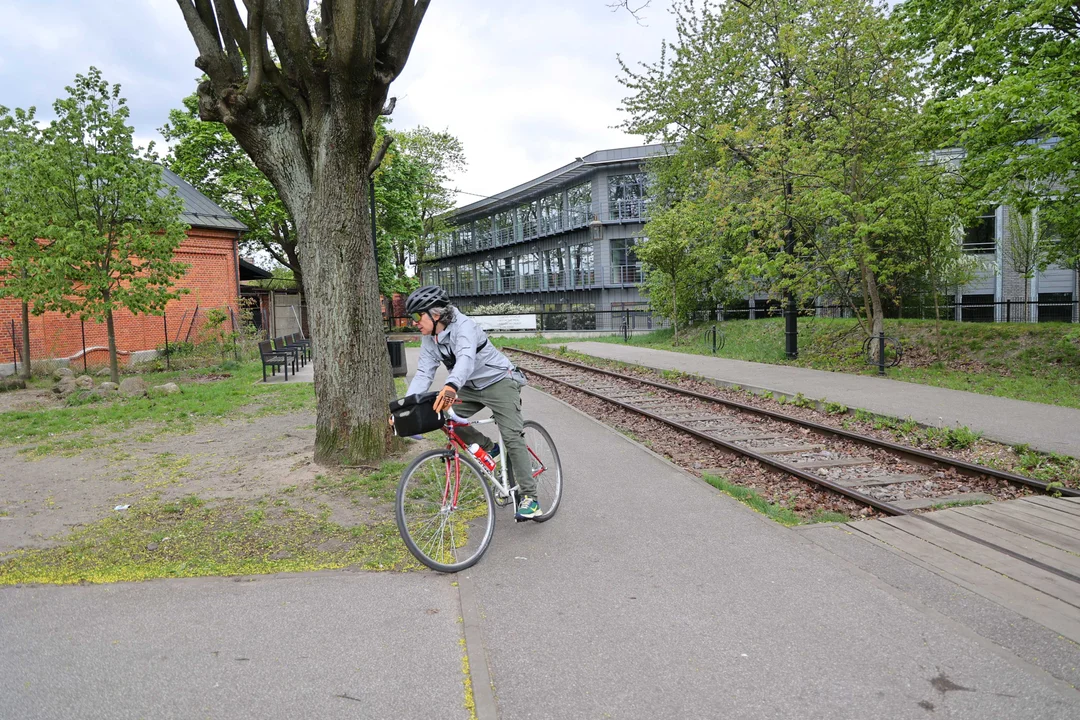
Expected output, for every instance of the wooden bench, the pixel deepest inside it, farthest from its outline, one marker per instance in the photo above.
(281, 346)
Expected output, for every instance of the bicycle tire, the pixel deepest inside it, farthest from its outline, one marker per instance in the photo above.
(444, 539)
(549, 486)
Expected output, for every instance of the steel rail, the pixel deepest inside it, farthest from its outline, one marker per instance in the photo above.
(911, 452)
(791, 469)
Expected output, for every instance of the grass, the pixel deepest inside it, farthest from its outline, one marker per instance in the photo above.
(773, 511)
(1035, 362)
(72, 429)
(192, 537)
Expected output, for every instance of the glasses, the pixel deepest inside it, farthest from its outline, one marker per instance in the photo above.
(416, 316)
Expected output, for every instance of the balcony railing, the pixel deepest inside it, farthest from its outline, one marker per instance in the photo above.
(626, 274)
(632, 209)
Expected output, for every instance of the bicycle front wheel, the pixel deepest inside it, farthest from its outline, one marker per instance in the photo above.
(546, 468)
(445, 511)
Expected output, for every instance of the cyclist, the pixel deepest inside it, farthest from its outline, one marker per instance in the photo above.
(480, 376)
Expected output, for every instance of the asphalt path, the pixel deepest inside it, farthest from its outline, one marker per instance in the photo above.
(648, 596)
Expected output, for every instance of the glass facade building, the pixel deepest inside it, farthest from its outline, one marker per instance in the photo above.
(560, 242)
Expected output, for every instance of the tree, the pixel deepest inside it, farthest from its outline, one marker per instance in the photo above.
(22, 214)
(398, 223)
(208, 156)
(678, 262)
(1005, 90)
(1025, 250)
(305, 113)
(437, 156)
(113, 224)
(797, 119)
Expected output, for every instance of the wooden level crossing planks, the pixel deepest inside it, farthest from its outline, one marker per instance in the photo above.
(1041, 528)
(1022, 599)
(1044, 532)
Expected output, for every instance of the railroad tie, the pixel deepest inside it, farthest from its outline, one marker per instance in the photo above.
(788, 450)
(838, 462)
(877, 480)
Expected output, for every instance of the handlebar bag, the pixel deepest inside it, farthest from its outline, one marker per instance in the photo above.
(415, 414)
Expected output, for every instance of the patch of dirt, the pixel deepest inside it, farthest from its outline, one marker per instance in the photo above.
(29, 399)
(261, 460)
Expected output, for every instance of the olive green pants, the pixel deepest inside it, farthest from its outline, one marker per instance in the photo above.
(504, 399)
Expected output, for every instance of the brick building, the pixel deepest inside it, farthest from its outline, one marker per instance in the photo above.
(212, 281)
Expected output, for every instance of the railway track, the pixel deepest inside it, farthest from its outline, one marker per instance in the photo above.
(891, 478)
(863, 469)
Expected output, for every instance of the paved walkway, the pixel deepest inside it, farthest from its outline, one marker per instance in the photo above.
(1046, 427)
(648, 596)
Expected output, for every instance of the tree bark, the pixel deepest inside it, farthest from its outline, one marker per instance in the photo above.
(26, 340)
(114, 366)
(675, 309)
(350, 348)
(877, 318)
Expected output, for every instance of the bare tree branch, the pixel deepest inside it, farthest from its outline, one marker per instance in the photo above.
(401, 36)
(388, 108)
(256, 42)
(211, 59)
(377, 160)
(625, 5)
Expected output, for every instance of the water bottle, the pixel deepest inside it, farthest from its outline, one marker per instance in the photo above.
(482, 455)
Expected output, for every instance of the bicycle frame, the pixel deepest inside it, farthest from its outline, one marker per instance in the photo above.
(500, 483)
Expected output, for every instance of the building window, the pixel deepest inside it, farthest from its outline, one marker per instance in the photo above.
(527, 220)
(529, 270)
(554, 267)
(977, 308)
(1055, 307)
(980, 238)
(466, 284)
(551, 214)
(625, 267)
(464, 239)
(485, 276)
(504, 227)
(579, 204)
(581, 265)
(483, 234)
(626, 196)
(506, 274)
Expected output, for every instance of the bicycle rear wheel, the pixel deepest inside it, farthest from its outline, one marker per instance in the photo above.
(546, 467)
(444, 535)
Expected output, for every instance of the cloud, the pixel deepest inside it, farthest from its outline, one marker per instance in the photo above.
(526, 86)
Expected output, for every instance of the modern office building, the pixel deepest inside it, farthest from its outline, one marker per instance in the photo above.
(561, 242)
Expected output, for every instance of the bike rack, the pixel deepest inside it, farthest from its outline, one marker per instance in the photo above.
(883, 344)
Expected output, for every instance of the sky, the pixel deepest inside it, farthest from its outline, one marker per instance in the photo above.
(526, 86)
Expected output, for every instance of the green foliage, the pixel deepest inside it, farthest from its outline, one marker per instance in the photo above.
(751, 498)
(437, 156)
(108, 225)
(503, 308)
(1005, 91)
(207, 156)
(798, 144)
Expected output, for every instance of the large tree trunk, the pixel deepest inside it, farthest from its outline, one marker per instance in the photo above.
(341, 282)
(877, 315)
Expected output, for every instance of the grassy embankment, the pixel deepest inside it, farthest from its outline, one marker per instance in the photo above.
(1035, 362)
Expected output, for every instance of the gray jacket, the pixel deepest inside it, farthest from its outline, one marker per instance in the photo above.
(464, 348)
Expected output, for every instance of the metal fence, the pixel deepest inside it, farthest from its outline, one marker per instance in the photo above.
(616, 320)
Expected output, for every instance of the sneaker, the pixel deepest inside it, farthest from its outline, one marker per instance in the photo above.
(495, 450)
(527, 509)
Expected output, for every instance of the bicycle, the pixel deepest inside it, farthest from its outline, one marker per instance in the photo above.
(446, 499)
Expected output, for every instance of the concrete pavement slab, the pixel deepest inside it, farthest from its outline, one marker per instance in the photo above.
(651, 596)
(1046, 427)
(314, 645)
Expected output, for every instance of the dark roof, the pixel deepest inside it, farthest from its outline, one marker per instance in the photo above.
(199, 210)
(560, 177)
(251, 271)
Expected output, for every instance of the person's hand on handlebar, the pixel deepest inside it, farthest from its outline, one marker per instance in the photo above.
(445, 398)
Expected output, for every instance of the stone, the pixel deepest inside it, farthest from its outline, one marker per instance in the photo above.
(104, 372)
(151, 547)
(106, 389)
(62, 373)
(85, 382)
(12, 384)
(133, 387)
(65, 389)
(167, 388)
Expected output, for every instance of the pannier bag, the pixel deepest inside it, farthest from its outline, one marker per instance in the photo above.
(415, 414)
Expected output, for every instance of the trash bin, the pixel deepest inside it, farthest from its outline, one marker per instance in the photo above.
(398, 364)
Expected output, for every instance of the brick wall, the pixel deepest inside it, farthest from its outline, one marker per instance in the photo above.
(211, 279)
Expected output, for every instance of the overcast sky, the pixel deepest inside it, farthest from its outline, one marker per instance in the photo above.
(527, 86)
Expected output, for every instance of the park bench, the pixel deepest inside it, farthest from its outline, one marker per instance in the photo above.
(274, 358)
(282, 346)
(295, 341)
